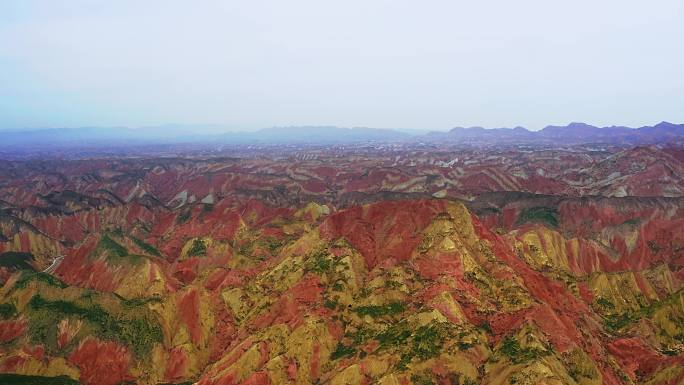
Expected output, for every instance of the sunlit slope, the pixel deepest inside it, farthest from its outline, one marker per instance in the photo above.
(393, 292)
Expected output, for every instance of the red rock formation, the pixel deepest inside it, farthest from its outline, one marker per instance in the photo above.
(101, 362)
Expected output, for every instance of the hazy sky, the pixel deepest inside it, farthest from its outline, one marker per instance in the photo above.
(412, 64)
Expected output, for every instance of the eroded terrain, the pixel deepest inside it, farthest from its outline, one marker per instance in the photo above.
(398, 264)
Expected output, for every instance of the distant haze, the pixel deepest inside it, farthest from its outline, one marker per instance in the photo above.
(244, 65)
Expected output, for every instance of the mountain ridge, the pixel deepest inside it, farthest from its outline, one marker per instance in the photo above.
(572, 133)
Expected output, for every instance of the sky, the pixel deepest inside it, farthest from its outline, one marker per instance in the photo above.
(406, 64)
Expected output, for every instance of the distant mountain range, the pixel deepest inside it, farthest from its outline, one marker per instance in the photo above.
(573, 133)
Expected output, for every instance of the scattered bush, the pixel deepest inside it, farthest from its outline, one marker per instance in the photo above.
(395, 335)
(318, 262)
(518, 355)
(427, 342)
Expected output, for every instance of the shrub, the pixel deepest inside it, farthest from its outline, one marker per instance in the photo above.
(605, 303)
(146, 247)
(615, 322)
(318, 262)
(395, 335)
(198, 247)
(7, 310)
(427, 342)
(518, 355)
(422, 379)
(342, 351)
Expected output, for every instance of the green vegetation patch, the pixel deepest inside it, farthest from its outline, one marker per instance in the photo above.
(381, 310)
(615, 322)
(546, 215)
(15, 260)
(146, 247)
(18, 379)
(135, 302)
(422, 343)
(7, 310)
(330, 304)
(273, 244)
(342, 351)
(422, 379)
(45, 278)
(604, 303)
(319, 262)
(111, 247)
(517, 354)
(197, 248)
(140, 332)
(361, 335)
(427, 342)
(395, 335)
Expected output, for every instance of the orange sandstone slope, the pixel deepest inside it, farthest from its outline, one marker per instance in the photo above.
(393, 292)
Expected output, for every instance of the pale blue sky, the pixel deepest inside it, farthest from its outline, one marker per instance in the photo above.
(412, 64)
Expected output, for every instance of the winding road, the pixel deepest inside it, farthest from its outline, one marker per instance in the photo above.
(55, 264)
